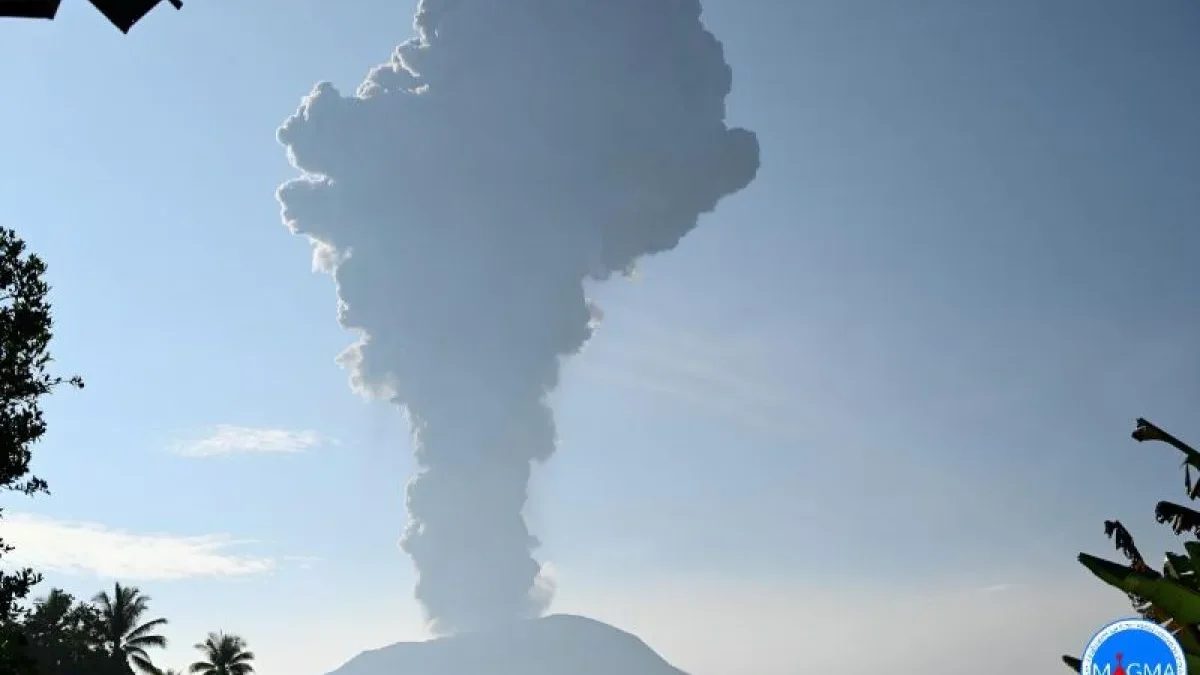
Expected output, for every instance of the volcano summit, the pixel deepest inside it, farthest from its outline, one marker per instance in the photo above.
(558, 644)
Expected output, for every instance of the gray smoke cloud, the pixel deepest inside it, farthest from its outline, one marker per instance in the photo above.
(508, 152)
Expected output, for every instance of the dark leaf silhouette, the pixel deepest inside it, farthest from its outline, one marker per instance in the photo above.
(224, 654)
(125, 637)
(1114, 530)
(25, 333)
(1181, 518)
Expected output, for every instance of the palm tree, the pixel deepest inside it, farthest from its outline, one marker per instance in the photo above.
(224, 655)
(124, 638)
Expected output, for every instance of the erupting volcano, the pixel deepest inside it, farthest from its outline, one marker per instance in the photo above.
(460, 198)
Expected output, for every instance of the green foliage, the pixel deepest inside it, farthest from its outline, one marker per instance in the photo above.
(224, 654)
(124, 637)
(1170, 598)
(108, 636)
(25, 333)
(59, 635)
(64, 635)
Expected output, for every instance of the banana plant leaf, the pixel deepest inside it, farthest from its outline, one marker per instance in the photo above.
(1181, 518)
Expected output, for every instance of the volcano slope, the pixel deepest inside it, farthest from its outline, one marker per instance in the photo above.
(558, 644)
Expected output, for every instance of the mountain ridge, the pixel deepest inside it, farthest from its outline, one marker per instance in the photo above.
(558, 644)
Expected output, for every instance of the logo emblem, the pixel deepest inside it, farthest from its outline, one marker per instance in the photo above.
(1133, 647)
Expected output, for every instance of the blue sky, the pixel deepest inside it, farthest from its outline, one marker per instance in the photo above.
(890, 383)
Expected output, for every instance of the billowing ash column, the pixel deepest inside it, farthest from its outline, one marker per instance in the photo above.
(460, 198)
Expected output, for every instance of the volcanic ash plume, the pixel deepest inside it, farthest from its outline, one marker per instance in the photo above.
(460, 198)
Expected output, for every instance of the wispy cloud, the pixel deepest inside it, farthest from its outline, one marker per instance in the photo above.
(735, 377)
(88, 548)
(227, 439)
(301, 562)
(805, 397)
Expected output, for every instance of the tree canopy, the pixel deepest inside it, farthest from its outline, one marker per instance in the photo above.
(25, 378)
(224, 654)
(109, 635)
(57, 634)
